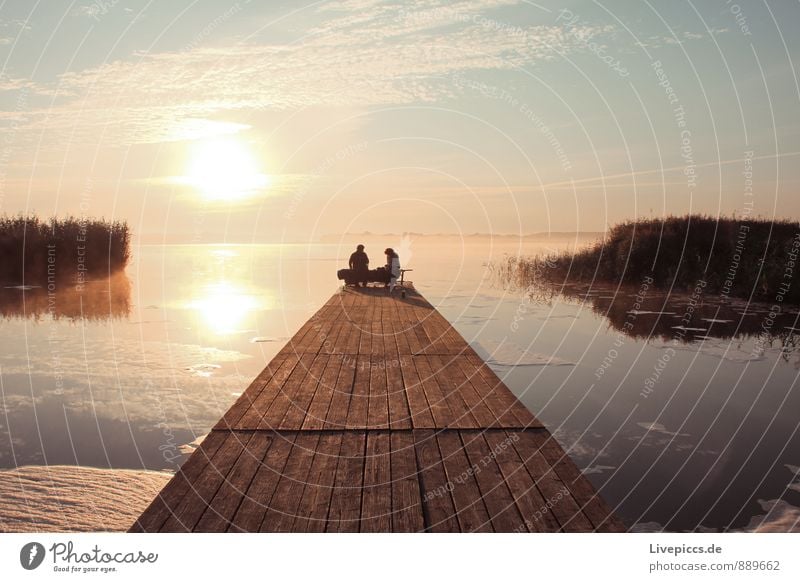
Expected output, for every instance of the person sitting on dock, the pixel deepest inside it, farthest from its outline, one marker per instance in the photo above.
(393, 267)
(359, 264)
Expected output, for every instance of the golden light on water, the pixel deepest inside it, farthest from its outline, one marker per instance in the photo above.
(224, 169)
(224, 308)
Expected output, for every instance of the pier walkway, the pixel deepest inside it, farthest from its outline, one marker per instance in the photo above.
(377, 416)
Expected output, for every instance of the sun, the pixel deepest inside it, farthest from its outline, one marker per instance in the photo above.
(224, 169)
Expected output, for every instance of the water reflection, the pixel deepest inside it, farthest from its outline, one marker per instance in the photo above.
(94, 301)
(223, 307)
(647, 314)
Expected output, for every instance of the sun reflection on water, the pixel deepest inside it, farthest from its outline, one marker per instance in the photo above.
(224, 308)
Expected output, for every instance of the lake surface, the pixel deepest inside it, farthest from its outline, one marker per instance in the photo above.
(682, 423)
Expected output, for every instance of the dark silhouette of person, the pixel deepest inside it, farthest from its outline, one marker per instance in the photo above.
(359, 264)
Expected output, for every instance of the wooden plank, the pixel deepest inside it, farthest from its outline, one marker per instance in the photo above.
(359, 399)
(336, 419)
(378, 414)
(390, 349)
(345, 509)
(442, 415)
(376, 503)
(500, 394)
(475, 401)
(419, 407)
(273, 415)
(312, 514)
(219, 513)
(252, 416)
(437, 501)
(593, 506)
(254, 506)
(406, 499)
(283, 507)
(321, 403)
(529, 500)
(399, 414)
(450, 388)
(510, 412)
(301, 399)
(470, 509)
(256, 387)
(205, 485)
(557, 495)
(173, 493)
(494, 490)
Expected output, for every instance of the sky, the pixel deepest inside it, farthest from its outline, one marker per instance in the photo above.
(210, 121)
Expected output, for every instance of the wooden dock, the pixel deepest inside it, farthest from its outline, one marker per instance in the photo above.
(378, 417)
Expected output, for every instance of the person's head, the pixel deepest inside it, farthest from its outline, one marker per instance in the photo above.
(389, 252)
(360, 248)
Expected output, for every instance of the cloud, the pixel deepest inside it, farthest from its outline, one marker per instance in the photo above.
(358, 54)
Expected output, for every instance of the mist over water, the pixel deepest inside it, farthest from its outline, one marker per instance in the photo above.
(680, 423)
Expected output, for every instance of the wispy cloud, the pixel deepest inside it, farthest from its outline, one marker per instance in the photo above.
(359, 53)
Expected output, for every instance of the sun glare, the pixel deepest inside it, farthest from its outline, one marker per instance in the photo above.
(224, 308)
(224, 169)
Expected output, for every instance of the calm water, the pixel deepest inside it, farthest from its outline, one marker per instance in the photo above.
(682, 423)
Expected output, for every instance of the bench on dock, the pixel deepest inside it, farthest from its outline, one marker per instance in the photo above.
(377, 416)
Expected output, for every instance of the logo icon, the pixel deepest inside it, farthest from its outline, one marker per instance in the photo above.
(31, 555)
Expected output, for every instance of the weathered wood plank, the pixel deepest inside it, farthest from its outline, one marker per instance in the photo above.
(250, 515)
(169, 498)
(470, 508)
(219, 513)
(406, 499)
(285, 395)
(376, 503)
(499, 502)
(285, 502)
(345, 509)
(378, 415)
(252, 416)
(529, 500)
(557, 495)
(437, 501)
(301, 399)
(312, 514)
(593, 506)
(205, 485)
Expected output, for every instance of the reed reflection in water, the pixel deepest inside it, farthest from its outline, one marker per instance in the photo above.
(93, 300)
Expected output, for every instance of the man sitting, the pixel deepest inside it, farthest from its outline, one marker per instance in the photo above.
(359, 264)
